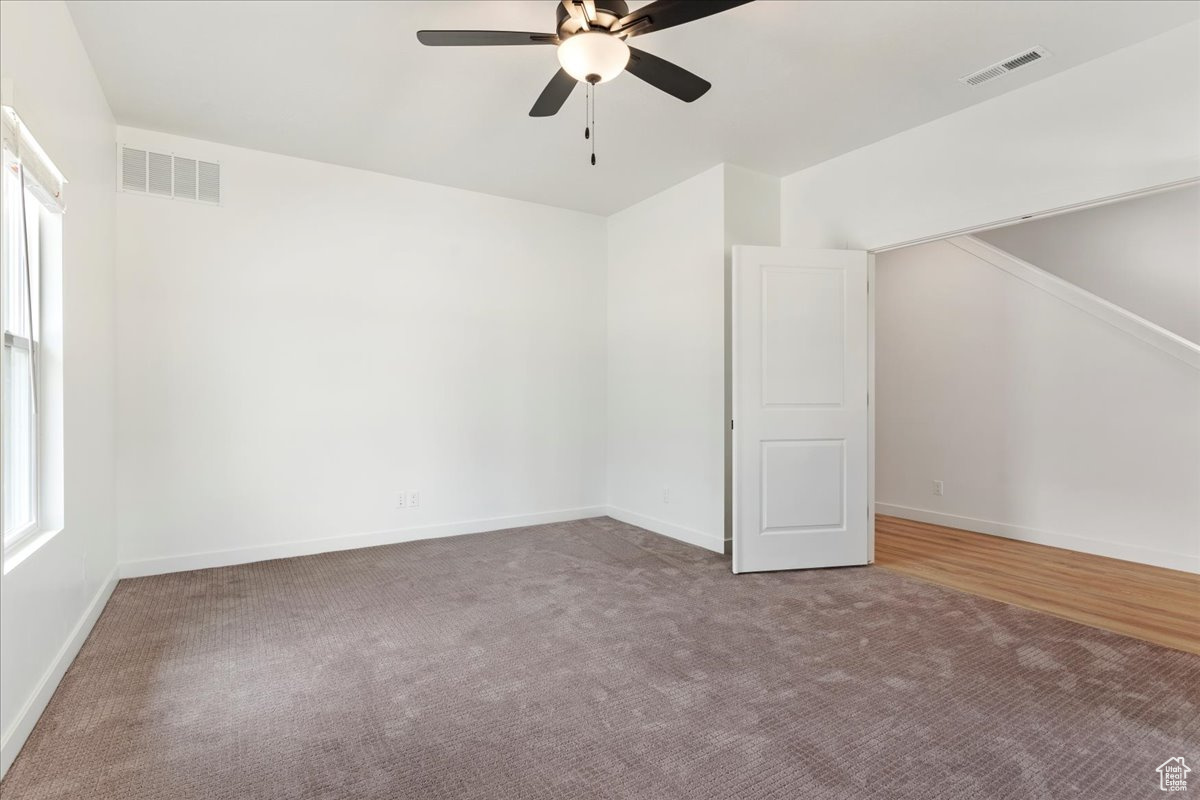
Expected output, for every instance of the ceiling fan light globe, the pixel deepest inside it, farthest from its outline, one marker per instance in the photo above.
(586, 56)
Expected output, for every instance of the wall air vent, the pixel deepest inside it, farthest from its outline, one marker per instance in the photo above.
(133, 169)
(209, 187)
(160, 174)
(1006, 66)
(168, 175)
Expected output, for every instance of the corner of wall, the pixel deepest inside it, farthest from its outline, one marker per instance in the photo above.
(662, 438)
(61, 588)
(753, 207)
(753, 211)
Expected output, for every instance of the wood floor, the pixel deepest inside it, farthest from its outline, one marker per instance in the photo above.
(1151, 603)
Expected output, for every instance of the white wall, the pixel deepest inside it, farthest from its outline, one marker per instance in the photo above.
(328, 337)
(49, 600)
(751, 217)
(667, 358)
(1045, 422)
(1141, 254)
(666, 361)
(1120, 123)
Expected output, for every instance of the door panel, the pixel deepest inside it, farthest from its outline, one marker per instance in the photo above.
(799, 365)
(803, 487)
(801, 422)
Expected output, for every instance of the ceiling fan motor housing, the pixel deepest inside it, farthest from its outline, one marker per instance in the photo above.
(607, 14)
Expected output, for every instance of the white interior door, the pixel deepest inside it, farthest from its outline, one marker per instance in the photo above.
(802, 428)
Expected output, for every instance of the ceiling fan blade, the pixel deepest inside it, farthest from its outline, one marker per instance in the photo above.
(582, 11)
(482, 38)
(662, 74)
(668, 13)
(554, 95)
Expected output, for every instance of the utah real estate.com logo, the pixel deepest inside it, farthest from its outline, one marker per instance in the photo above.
(1172, 775)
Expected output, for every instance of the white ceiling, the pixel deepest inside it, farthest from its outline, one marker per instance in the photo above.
(794, 83)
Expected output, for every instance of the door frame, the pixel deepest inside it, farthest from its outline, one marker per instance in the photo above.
(870, 407)
(969, 231)
(872, 252)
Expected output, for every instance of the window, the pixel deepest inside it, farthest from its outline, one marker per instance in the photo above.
(20, 348)
(30, 188)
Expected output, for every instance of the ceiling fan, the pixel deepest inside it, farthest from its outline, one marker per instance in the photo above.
(591, 39)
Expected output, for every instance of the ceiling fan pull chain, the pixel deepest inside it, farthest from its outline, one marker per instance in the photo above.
(593, 125)
(587, 105)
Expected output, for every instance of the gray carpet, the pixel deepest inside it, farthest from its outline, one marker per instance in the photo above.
(595, 660)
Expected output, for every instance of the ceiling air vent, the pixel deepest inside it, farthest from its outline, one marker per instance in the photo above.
(1006, 66)
(169, 175)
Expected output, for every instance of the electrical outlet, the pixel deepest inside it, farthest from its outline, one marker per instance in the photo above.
(666, 494)
(414, 499)
(938, 489)
(402, 500)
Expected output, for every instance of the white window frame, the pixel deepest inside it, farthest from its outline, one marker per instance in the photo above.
(35, 203)
(29, 344)
(16, 537)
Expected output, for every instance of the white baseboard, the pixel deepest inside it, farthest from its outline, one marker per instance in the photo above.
(1097, 547)
(683, 534)
(247, 555)
(28, 716)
